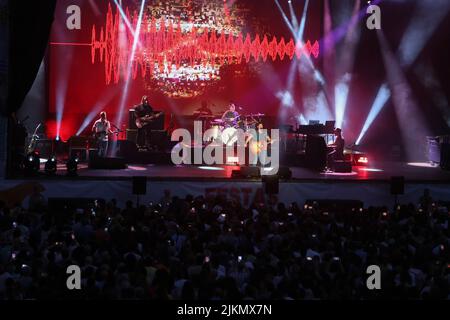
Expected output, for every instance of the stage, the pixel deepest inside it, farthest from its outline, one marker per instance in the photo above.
(380, 171)
(371, 184)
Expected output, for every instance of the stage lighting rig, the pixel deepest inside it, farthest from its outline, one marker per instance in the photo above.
(32, 164)
(72, 166)
(51, 166)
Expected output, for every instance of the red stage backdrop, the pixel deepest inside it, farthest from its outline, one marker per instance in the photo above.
(104, 55)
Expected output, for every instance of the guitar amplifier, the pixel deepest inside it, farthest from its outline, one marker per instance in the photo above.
(131, 120)
(132, 135)
(158, 123)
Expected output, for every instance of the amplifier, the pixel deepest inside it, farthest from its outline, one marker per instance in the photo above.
(132, 135)
(131, 120)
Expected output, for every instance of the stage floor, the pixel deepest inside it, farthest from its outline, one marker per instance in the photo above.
(381, 171)
(371, 184)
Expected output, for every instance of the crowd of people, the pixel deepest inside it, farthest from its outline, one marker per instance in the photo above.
(215, 249)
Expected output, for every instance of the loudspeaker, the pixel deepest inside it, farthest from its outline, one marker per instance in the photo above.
(342, 166)
(434, 149)
(246, 172)
(397, 185)
(158, 123)
(139, 185)
(271, 184)
(132, 135)
(107, 163)
(131, 120)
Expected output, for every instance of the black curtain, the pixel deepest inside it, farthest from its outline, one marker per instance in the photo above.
(29, 29)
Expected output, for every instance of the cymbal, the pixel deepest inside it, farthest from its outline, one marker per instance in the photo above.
(217, 121)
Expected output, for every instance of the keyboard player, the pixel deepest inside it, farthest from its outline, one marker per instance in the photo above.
(336, 149)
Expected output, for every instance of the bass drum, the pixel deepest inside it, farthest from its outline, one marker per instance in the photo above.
(217, 133)
(229, 136)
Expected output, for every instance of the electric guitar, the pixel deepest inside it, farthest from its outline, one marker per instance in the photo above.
(99, 136)
(258, 146)
(145, 120)
(34, 139)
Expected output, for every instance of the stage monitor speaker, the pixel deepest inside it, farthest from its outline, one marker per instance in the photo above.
(342, 166)
(271, 184)
(246, 172)
(316, 152)
(107, 163)
(397, 185)
(139, 185)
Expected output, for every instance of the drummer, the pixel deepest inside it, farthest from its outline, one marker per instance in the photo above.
(230, 117)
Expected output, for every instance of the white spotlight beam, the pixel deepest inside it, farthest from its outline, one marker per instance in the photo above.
(427, 17)
(285, 18)
(301, 29)
(124, 17)
(409, 115)
(345, 66)
(382, 97)
(129, 68)
(295, 34)
(293, 15)
(340, 95)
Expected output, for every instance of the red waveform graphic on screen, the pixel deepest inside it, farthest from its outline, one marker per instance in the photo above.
(165, 48)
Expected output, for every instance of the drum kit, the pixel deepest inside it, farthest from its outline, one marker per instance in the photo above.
(225, 130)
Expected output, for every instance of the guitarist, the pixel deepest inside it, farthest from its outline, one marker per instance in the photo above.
(140, 111)
(258, 143)
(101, 129)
